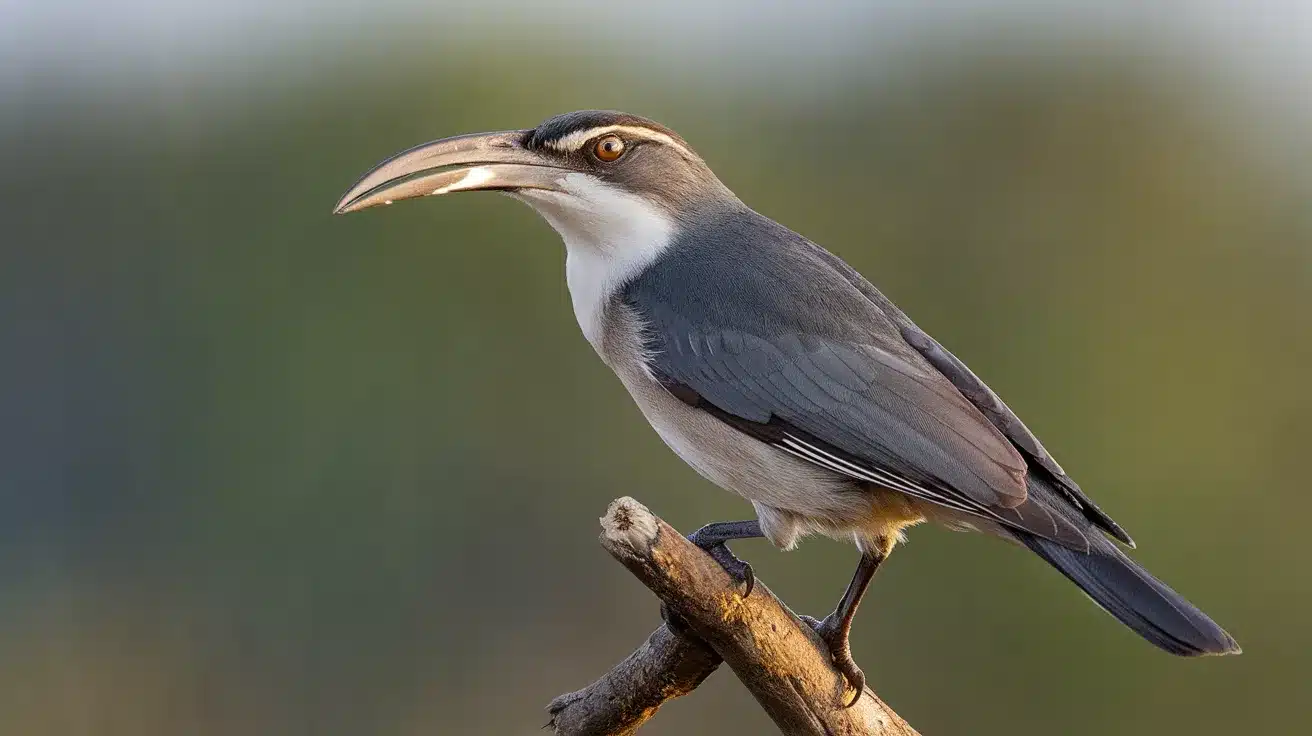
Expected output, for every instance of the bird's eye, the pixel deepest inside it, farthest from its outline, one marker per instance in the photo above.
(608, 148)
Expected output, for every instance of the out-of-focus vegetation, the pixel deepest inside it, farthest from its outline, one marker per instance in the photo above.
(263, 470)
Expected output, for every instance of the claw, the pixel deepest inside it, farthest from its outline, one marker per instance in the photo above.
(840, 653)
(736, 568)
(855, 678)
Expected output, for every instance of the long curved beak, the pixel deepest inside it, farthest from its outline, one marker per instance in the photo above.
(481, 161)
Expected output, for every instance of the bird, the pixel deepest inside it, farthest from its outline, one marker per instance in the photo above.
(779, 373)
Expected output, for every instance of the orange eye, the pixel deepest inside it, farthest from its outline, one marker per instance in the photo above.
(609, 148)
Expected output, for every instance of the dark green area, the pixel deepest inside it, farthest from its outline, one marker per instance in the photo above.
(264, 470)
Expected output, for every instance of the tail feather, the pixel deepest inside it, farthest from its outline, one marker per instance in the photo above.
(1136, 598)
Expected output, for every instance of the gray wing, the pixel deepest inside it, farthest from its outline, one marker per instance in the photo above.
(983, 398)
(786, 349)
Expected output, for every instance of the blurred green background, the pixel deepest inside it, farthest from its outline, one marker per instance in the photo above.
(267, 471)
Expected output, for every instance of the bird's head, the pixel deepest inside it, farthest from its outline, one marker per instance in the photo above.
(596, 176)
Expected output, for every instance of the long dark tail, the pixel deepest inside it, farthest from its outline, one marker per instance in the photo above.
(1136, 598)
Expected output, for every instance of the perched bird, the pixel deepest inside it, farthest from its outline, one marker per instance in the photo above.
(779, 373)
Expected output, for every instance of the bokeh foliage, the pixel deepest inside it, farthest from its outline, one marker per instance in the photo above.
(263, 470)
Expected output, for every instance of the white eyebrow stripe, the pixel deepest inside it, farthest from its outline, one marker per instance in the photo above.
(575, 140)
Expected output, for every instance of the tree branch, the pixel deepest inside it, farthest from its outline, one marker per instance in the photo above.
(665, 667)
(777, 657)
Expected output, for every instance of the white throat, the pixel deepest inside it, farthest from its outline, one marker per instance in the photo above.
(610, 236)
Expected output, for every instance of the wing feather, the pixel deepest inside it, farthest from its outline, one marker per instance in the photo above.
(785, 342)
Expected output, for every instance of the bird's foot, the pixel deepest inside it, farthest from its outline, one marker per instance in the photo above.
(719, 551)
(834, 636)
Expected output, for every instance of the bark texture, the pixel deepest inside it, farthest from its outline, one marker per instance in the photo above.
(777, 656)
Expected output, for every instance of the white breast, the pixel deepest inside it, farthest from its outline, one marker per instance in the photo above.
(610, 236)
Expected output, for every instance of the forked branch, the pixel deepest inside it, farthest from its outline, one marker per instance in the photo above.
(777, 657)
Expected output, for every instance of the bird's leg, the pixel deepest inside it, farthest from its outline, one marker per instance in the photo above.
(712, 538)
(837, 626)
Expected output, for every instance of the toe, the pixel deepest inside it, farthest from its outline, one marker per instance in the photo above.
(831, 631)
(737, 569)
(749, 579)
(856, 679)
